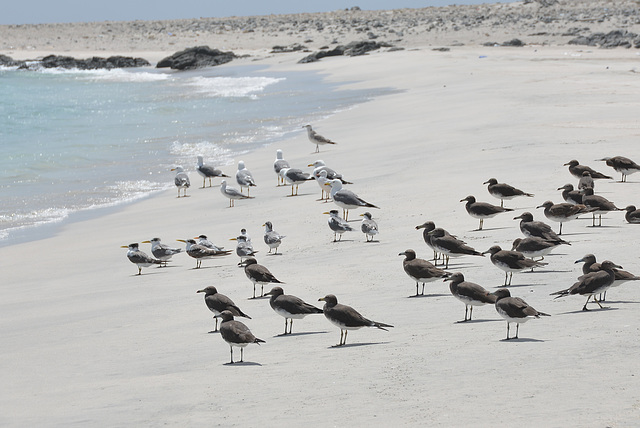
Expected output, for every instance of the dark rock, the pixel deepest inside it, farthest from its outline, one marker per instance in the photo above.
(196, 57)
(94, 63)
(285, 49)
(441, 49)
(352, 49)
(7, 61)
(612, 39)
(513, 42)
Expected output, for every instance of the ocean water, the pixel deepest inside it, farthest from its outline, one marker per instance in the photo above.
(81, 141)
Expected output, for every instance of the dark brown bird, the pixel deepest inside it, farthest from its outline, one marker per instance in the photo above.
(482, 210)
(621, 276)
(504, 191)
(258, 274)
(537, 229)
(576, 170)
(217, 303)
(563, 212)
(450, 246)
(236, 334)
(469, 293)
(598, 204)
(514, 309)
(632, 215)
(511, 261)
(624, 166)
(290, 307)
(570, 195)
(592, 283)
(420, 270)
(535, 247)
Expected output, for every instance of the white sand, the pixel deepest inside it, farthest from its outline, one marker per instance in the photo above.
(85, 342)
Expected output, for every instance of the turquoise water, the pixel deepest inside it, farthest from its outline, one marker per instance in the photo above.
(78, 141)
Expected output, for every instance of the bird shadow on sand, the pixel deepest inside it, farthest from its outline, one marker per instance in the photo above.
(604, 227)
(606, 308)
(516, 286)
(273, 254)
(343, 240)
(488, 229)
(145, 274)
(304, 333)
(375, 240)
(413, 296)
(355, 345)
(299, 194)
(242, 363)
(259, 298)
(205, 267)
(521, 339)
(476, 321)
(213, 331)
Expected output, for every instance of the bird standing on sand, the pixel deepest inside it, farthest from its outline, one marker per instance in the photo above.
(316, 138)
(280, 164)
(289, 307)
(514, 309)
(200, 253)
(570, 195)
(207, 171)
(338, 225)
(272, 238)
(181, 180)
(346, 318)
(161, 251)
(535, 247)
(632, 215)
(450, 246)
(511, 261)
(624, 166)
(345, 198)
(258, 274)
(592, 283)
(469, 293)
(236, 334)
(420, 270)
(537, 229)
(577, 170)
(202, 240)
(244, 247)
(295, 177)
(504, 191)
(586, 181)
(217, 303)
(231, 193)
(368, 226)
(563, 212)
(244, 177)
(140, 258)
(319, 166)
(428, 226)
(482, 210)
(621, 276)
(598, 204)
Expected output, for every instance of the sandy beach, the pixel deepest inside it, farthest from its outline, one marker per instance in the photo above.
(87, 342)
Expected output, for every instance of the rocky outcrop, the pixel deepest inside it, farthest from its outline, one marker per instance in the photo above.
(612, 39)
(351, 49)
(7, 61)
(70, 63)
(196, 57)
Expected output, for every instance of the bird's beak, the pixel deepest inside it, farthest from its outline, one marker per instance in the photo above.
(462, 200)
(486, 182)
(321, 299)
(200, 291)
(484, 252)
(565, 164)
(539, 206)
(173, 169)
(402, 254)
(578, 261)
(519, 217)
(181, 240)
(263, 225)
(145, 242)
(327, 184)
(310, 164)
(233, 239)
(327, 212)
(124, 246)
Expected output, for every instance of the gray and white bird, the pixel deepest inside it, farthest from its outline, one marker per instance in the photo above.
(586, 182)
(346, 199)
(272, 238)
(161, 251)
(231, 193)
(322, 180)
(204, 241)
(244, 247)
(577, 170)
(537, 229)
(279, 164)
(289, 307)
(450, 246)
(504, 191)
(217, 303)
(244, 178)
(623, 165)
(511, 261)
(140, 258)
(514, 309)
(632, 214)
(592, 283)
(482, 210)
(469, 293)
(181, 180)
(236, 334)
(598, 204)
(258, 274)
(200, 253)
(368, 226)
(319, 166)
(420, 270)
(535, 247)
(338, 225)
(570, 195)
(207, 171)
(316, 138)
(563, 212)
(295, 177)
(346, 318)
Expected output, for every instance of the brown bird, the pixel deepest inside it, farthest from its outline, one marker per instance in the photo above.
(217, 303)
(624, 166)
(450, 246)
(514, 309)
(258, 274)
(598, 204)
(200, 252)
(420, 270)
(632, 215)
(290, 307)
(236, 334)
(592, 283)
(563, 212)
(511, 261)
(482, 210)
(576, 170)
(469, 293)
(503, 191)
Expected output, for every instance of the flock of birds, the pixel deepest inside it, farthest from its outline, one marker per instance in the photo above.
(526, 253)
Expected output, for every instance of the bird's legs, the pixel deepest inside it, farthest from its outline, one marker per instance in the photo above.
(139, 270)
(232, 354)
(481, 223)
(242, 355)
(560, 232)
(517, 328)
(508, 331)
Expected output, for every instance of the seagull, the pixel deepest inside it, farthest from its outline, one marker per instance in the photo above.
(621, 276)
(624, 166)
(236, 334)
(511, 261)
(258, 274)
(161, 251)
(207, 171)
(450, 246)
(217, 303)
(586, 181)
(514, 309)
(199, 252)
(181, 180)
(592, 283)
(632, 215)
(272, 238)
(535, 247)
(244, 248)
(345, 198)
(420, 270)
(319, 166)
(537, 229)
(368, 226)
(482, 210)
(316, 138)
(576, 170)
(231, 193)
(140, 258)
(563, 212)
(295, 177)
(428, 226)
(469, 293)
(289, 307)
(279, 164)
(322, 179)
(598, 204)
(346, 318)
(202, 240)
(570, 195)
(338, 225)
(504, 191)
(244, 177)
